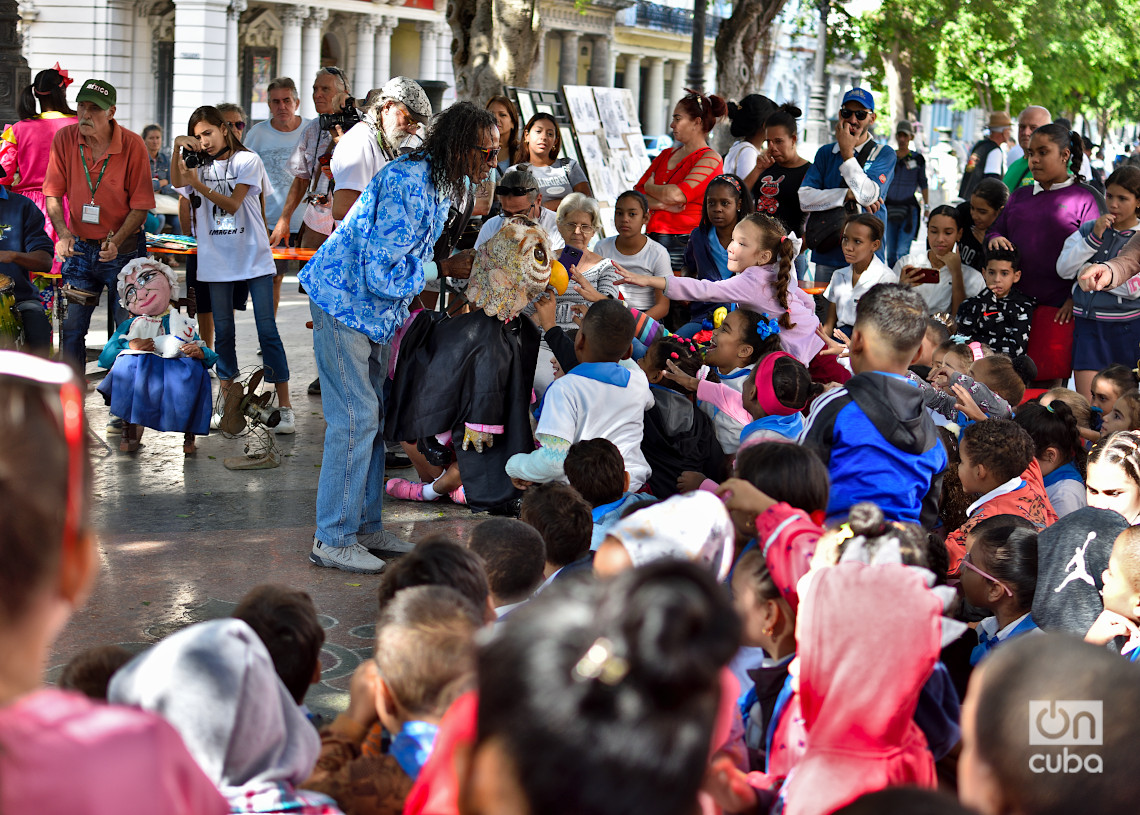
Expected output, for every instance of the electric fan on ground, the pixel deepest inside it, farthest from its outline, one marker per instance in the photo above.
(250, 415)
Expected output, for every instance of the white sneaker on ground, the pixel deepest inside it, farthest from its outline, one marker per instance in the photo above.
(216, 421)
(353, 558)
(288, 422)
(384, 542)
(114, 426)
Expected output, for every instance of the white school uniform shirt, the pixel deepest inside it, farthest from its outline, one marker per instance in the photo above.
(652, 260)
(939, 296)
(232, 247)
(845, 295)
(741, 158)
(577, 408)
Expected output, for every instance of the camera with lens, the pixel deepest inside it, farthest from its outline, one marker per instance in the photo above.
(344, 119)
(196, 158)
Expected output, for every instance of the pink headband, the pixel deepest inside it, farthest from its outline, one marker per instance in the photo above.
(976, 350)
(764, 395)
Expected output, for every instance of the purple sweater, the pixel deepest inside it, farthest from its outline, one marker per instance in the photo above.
(1038, 226)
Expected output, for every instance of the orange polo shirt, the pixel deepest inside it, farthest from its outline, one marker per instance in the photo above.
(126, 184)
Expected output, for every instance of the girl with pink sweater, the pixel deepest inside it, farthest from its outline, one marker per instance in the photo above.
(760, 258)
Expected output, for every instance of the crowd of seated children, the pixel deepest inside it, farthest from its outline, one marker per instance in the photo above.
(514, 556)
(565, 521)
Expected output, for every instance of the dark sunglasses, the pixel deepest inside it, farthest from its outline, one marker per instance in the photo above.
(237, 125)
(844, 113)
(514, 190)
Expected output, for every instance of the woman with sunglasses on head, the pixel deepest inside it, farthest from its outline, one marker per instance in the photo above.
(675, 181)
(116, 759)
(538, 152)
(233, 245)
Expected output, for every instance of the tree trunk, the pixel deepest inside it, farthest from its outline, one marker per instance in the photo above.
(899, 76)
(495, 44)
(743, 49)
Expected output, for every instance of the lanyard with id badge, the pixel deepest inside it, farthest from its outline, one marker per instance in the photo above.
(90, 213)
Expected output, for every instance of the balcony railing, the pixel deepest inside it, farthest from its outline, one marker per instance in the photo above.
(673, 20)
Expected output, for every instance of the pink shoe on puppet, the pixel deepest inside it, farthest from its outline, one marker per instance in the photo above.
(404, 489)
(457, 495)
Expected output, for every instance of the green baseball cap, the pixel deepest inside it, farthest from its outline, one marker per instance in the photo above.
(98, 92)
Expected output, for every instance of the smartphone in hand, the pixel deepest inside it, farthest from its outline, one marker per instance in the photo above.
(570, 257)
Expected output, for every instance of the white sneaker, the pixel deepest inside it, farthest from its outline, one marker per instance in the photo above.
(384, 542)
(288, 423)
(216, 421)
(353, 558)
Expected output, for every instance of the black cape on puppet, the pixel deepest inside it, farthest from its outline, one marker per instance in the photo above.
(478, 368)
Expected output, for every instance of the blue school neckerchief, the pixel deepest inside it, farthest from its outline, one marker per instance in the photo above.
(412, 746)
(610, 373)
(739, 372)
(987, 643)
(788, 426)
(600, 512)
(1066, 472)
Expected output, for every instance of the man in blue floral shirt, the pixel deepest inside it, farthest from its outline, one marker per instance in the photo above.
(360, 284)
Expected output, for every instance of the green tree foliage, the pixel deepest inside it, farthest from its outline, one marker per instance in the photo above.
(1072, 56)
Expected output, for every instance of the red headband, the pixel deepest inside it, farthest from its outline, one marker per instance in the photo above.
(764, 395)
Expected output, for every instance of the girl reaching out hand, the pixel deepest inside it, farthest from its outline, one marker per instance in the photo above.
(760, 260)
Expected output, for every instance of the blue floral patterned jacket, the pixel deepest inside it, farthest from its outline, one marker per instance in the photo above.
(371, 267)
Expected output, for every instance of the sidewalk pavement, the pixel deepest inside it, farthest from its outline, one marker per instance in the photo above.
(181, 539)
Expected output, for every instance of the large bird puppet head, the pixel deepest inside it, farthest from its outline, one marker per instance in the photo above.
(513, 268)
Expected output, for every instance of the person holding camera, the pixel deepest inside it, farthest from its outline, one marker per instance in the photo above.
(103, 170)
(223, 180)
(309, 165)
(395, 114)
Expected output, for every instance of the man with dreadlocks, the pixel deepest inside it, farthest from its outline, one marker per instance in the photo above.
(360, 283)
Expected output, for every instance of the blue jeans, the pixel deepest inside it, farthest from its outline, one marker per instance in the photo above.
(353, 370)
(272, 349)
(84, 270)
(899, 238)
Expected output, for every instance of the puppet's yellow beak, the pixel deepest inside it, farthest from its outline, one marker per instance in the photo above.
(559, 279)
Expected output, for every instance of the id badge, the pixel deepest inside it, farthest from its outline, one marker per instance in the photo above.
(225, 222)
(90, 214)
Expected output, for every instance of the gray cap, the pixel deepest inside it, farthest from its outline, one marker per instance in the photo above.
(905, 127)
(408, 93)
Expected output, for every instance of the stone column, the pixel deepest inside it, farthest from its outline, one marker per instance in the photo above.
(233, 64)
(633, 82)
(291, 19)
(654, 121)
(199, 56)
(310, 57)
(601, 72)
(568, 59)
(445, 70)
(382, 70)
(428, 47)
(365, 55)
(680, 68)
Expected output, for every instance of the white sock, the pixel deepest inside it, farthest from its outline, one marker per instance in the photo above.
(429, 493)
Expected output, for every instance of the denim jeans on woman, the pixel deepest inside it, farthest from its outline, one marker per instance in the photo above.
(225, 341)
(353, 370)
